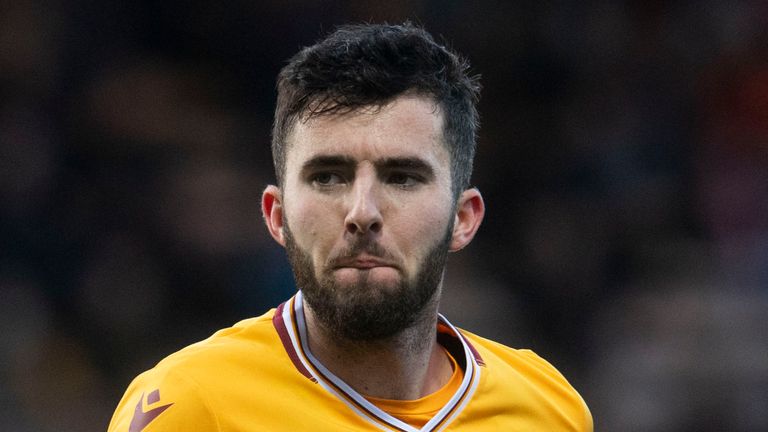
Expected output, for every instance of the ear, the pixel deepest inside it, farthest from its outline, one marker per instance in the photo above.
(272, 209)
(469, 214)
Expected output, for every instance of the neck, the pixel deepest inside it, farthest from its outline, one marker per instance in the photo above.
(408, 365)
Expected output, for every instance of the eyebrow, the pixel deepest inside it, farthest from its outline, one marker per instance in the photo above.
(324, 161)
(408, 163)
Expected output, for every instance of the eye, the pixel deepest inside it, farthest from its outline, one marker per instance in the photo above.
(326, 179)
(403, 179)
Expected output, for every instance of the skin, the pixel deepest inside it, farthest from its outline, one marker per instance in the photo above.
(378, 176)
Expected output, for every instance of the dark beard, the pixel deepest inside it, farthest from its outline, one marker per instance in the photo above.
(369, 311)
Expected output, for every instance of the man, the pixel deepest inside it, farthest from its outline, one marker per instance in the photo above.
(373, 144)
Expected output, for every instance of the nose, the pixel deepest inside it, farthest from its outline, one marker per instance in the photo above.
(364, 215)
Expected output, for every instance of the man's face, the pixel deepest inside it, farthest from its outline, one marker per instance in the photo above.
(368, 215)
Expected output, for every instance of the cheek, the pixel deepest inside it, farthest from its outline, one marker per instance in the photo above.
(310, 222)
(435, 218)
(422, 233)
(303, 225)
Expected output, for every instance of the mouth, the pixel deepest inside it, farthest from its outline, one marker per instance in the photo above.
(362, 263)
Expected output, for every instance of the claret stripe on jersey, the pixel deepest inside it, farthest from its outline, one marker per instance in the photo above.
(335, 385)
(285, 338)
(293, 313)
(290, 325)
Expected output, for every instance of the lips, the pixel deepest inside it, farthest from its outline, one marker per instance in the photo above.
(361, 262)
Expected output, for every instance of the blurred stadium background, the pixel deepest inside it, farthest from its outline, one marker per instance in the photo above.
(623, 157)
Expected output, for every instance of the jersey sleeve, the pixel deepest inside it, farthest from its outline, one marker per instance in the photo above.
(163, 401)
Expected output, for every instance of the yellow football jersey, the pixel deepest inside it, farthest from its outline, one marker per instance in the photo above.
(259, 376)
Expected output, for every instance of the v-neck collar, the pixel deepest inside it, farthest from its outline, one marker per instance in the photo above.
(291, 327)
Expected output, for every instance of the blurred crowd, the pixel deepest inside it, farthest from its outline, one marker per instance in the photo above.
(623, 157)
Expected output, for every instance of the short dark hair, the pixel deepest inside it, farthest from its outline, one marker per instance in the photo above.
(367, 65)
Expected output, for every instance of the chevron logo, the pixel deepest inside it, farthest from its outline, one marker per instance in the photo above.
(142, 417)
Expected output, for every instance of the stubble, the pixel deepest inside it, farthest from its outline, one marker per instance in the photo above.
(368, 310)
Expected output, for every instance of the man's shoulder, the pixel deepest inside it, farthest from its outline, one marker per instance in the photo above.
(251, 338)
(192, 384)
(503, 355)
(522, 377)
(219, 360)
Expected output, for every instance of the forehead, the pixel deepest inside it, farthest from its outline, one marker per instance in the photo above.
(409, 126)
